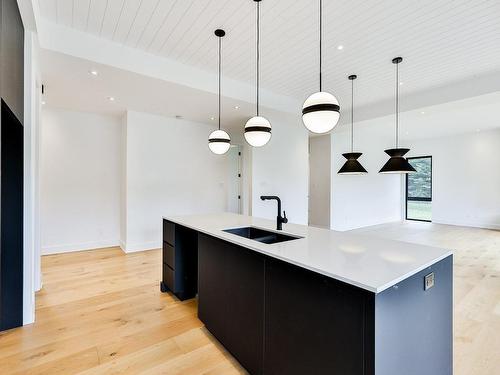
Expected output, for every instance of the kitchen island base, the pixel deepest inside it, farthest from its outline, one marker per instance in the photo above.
(278, 318)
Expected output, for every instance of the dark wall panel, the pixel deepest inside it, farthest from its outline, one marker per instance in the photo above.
(11, 249)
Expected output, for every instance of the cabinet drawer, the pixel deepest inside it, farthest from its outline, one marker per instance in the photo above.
(169, 255)
(168, 232)
(168, 277)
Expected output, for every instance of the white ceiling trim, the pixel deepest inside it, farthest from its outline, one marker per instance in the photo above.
(75, 43)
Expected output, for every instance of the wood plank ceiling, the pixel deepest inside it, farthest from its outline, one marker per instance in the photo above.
(443, 41)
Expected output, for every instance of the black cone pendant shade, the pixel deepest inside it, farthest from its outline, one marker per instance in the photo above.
(397, 163)
(352, 165)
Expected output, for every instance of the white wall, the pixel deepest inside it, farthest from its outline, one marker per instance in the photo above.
(282, 168)
(80, 181)
(31, 240)
(371, 199)
(466, 178)
(319, 181)
(169, 171)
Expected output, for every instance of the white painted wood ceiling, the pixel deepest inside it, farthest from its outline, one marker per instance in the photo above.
(442, 41)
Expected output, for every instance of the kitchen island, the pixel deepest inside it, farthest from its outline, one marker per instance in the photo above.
(315, 301)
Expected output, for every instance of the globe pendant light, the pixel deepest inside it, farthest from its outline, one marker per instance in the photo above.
(397, 163)
(258, 128)
(219, 141)
(352, 165)
(321, 111)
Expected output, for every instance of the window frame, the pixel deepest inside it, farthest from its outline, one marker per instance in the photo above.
(417, 199)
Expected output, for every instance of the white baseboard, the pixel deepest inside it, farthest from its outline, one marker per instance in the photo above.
(133, 248)
(468, 224)
(68, 248)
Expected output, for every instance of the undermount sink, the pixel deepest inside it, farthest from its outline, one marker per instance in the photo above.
(261, 235)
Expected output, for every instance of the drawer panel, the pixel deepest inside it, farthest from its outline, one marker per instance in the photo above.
(168, 277)
(168, 232)
(169, 255)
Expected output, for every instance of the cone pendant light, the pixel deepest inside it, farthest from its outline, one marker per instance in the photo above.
(219, 141)
(258, 128)
(397, 162)
(352, 165)
(321, 110)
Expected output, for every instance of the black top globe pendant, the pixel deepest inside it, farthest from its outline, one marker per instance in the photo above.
(397, 163)
(352, 165)
(321, 110)
(219, 141)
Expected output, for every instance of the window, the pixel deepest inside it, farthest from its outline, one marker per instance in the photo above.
(419, 189)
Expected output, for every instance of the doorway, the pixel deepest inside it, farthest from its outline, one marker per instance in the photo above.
(233, 180)
(319, 181)
(419, 189)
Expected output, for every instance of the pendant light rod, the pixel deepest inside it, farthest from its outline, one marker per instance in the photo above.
(258, 52)
(352, 78)
(320, 44)
(220, 33)
(397, 61)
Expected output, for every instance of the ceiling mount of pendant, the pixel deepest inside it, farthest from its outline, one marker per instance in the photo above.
(219, 33)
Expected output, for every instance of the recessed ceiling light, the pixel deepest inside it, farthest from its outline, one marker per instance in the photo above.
(422, 113)
(93, 72)
(340, 47)
(401, 83)
(236, 107)
(43, 102)
(212, 118)
(111, 99)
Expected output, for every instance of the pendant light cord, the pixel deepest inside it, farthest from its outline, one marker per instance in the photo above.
(352, 115)
(397, 105)
(258, 53)
(220, 42)
(320, 42)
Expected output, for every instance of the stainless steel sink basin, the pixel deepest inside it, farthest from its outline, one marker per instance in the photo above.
(261, 235)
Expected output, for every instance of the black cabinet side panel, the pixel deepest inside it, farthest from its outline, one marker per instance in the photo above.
(414, 327)
(314, 324)
(185, 262)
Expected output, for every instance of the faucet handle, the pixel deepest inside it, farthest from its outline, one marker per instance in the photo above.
(285, 220)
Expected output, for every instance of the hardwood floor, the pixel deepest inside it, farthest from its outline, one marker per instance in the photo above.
(101, 312)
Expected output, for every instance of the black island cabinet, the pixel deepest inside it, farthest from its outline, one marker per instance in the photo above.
(277, 318)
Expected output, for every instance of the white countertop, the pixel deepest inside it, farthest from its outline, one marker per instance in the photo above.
(368, 262)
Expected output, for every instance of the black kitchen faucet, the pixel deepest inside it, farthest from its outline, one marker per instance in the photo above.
(279, 219)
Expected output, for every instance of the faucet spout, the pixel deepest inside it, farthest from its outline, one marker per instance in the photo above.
(279, 219)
